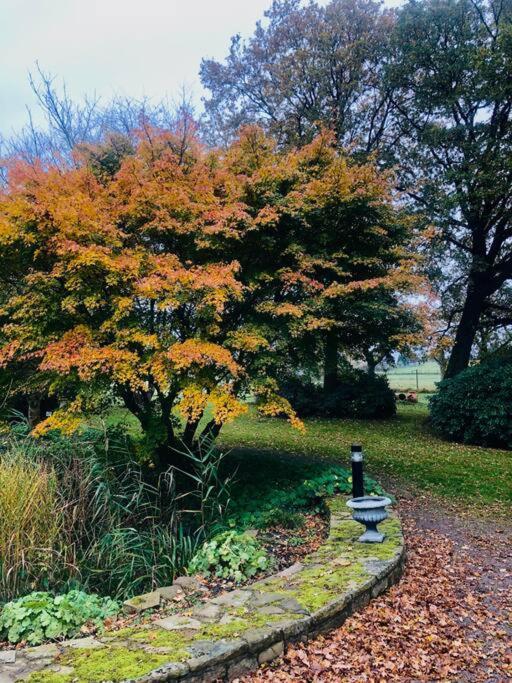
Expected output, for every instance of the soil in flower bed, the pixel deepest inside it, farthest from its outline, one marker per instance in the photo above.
(288, 546)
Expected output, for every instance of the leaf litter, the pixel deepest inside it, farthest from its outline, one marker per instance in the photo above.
(448, 619)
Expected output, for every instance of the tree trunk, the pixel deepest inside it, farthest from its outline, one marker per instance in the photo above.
(157, 426)
(172, 454)
(371, 363)
(34, 410)
(211, 431)
(189, 433)
(467, 329)
(330, 361)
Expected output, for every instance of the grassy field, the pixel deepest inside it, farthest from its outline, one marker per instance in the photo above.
(421, 377)
(402, 448)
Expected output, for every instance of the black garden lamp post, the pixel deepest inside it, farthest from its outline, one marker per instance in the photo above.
(356, 459)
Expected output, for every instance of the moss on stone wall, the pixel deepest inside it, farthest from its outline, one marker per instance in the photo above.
(101, 664)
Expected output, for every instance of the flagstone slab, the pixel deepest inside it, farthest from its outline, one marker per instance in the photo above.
(232, 633)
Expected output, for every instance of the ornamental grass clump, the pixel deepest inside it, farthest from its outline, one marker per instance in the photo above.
(79, 511)
(31, 520)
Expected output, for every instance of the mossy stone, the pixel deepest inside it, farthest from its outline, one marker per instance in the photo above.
(105, 664)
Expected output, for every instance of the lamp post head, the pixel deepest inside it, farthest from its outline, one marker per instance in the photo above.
(356, 452)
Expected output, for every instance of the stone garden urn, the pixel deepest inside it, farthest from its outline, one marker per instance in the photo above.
(370, 511)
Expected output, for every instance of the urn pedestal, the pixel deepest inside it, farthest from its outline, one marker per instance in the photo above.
(370, 511)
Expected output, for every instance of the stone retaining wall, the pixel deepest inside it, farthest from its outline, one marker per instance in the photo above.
(238, 630)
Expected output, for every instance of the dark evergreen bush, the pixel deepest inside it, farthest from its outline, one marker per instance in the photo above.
(475, 406)
(358, 395)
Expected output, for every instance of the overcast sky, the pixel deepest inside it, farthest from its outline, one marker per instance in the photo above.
(124, 47)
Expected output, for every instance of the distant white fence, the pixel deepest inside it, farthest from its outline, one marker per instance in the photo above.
(422, 377)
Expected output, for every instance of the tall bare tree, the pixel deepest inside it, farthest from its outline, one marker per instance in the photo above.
(304, 67)
(69, 123)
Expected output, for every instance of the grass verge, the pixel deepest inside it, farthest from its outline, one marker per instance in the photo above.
(402, 448)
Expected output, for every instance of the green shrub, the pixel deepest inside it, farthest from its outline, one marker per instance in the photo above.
(300, 486)
(230, 555)
(475, 406)
(39, 616)
(358, 395)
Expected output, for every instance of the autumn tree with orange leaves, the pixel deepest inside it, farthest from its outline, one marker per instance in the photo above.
(177, 283)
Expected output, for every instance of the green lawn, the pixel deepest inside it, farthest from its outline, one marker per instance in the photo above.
(402, 448)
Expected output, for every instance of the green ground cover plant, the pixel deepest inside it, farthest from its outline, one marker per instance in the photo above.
(268, 487)
(230, 555)
(40, 616)
(284, 518)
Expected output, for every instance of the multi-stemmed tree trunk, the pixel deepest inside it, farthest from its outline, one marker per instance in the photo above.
(331, 349)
